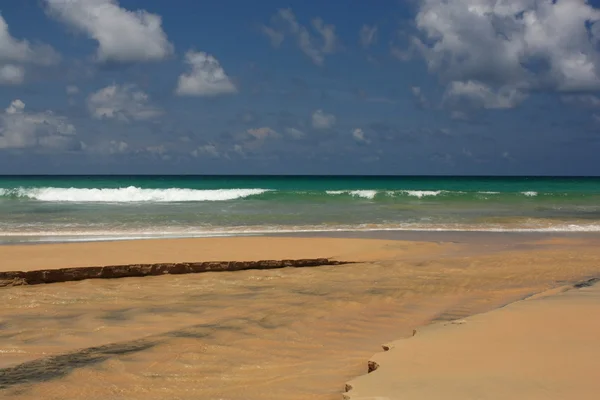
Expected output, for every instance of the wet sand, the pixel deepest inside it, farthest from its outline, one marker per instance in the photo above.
(266, 334)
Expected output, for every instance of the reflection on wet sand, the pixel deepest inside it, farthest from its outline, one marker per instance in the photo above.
(273, 334)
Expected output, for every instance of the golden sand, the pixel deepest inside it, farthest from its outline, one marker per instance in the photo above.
(539, 348)
(292, 333)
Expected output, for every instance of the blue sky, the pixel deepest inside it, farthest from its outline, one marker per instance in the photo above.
(301, 87)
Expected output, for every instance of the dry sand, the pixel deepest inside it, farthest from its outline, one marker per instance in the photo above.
(292, 333)
(545, 347)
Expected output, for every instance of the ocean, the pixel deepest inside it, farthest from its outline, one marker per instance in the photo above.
(85, 208)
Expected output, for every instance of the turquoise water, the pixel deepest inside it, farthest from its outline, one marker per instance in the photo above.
(119, 207)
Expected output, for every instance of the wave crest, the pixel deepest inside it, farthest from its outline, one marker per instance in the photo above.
(129, 194)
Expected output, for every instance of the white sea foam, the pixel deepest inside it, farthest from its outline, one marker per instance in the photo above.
(370, 194)
(92, 235)
(130, 194)
(530, 194)
(421, 193)
(365, 194)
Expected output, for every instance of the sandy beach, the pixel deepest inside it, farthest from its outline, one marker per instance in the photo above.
(289, 333)
(544, 347)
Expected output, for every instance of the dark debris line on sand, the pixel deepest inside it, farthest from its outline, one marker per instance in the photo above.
(18, 278)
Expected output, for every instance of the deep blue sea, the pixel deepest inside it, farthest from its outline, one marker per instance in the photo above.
(80, 208)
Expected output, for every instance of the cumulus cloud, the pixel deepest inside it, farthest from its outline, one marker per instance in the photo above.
(122, 102)
(122, 35)
(274, 36)
(21, 129)
(495, 51)
(359, 135)
(367, 35)
(11, 74)
(206, 77)
(117, 147)
(322, 120)
(207, 149)
(476, 94)
(295, 133)
(14, 53)
(315, 47)
(158, 151)
(262, 133)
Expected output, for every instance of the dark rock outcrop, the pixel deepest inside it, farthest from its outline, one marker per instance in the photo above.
(17, 278)
(372, 366)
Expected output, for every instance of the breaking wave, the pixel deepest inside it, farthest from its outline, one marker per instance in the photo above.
(128, 194)
(133, 194)
(370, 194)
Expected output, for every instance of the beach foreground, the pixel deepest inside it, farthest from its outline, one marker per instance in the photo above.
(289, 333)
(544, 347)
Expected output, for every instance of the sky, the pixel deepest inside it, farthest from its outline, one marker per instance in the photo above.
(458, 87)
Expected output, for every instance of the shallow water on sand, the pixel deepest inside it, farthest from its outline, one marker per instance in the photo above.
(275, 334)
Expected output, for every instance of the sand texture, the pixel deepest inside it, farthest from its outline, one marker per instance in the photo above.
(66, 255)
(33, 265)
(546, 347)
(280, 334)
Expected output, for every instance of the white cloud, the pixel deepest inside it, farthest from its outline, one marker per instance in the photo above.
(159, 151)
(121, 102)
(508, 47)
(419, 96)
(21, 51)
(207, 149)
(72, 89)
(273, 35)
(368, 35)
(400, 54)
(206, 78)
(478, 95)
(14, 53)
(16, 107)
(322, 120)
(262, 133)
(117, 147)
(295, 133)
(20, 129)
(313, 48)
(327, 33)
(109, 147)
(359, 135)
(11, 74)
(239, 149)
(122, 35)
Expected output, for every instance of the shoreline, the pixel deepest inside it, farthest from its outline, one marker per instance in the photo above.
(403, 369)
(406, 235)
